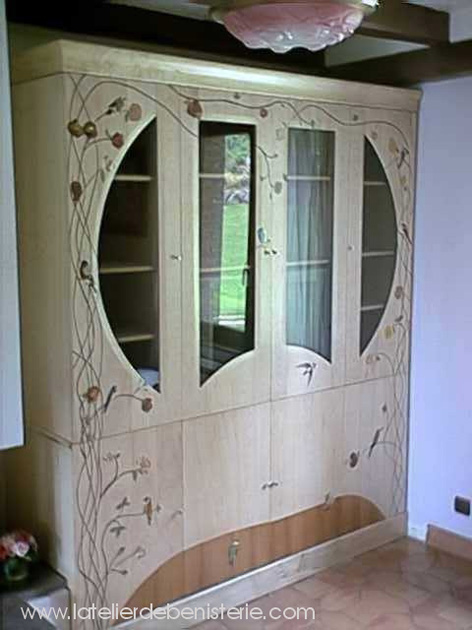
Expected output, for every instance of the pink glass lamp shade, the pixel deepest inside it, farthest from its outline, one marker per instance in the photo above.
(282, 26)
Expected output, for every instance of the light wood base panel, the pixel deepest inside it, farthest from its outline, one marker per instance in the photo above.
(449, 542)
(208, 564)
(277, 575)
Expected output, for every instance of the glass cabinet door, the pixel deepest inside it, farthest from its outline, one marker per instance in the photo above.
(227, 228)
(128, 258)
(379, 245)
(308, 322)
(309, 260)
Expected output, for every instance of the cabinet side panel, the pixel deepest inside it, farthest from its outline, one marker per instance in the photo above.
(40, 498)
(44, 270)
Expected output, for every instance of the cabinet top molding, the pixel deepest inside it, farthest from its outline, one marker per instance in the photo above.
(64, 56)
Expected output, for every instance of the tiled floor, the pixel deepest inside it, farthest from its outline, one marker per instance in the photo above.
(403, 586)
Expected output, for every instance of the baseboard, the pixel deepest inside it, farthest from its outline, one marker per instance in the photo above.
(418, 532)
(449, 542)
(260, 582)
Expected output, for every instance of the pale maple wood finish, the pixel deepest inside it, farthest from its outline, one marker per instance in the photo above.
(207, 564)
(394, 142)
(42, 226)
(225, 469)
(142, 479)
(245, 380)
(306, 444)
(93, 59)
(287, 381)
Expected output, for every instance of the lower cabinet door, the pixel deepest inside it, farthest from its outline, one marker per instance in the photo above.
(226, 472)
(323, 471)
(306, 442)
(375, 443)
(269, 481)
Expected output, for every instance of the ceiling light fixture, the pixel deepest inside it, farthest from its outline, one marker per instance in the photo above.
(285, 24)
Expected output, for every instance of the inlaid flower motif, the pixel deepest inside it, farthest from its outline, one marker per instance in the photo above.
(264, 112)
(76, 191)
(144, 463)
(146, 405)
(90, 129)
(389, 332)
(399, 292)
(111, 457)
(195, 109)
(117, 140)
(134, 112)
(393, 146)
(75, 128)
(92, 394)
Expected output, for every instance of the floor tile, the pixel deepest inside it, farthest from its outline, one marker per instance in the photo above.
(402, 586)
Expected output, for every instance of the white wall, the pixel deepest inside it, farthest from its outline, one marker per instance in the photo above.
(461, 24)
(11, 417)
(441, 406)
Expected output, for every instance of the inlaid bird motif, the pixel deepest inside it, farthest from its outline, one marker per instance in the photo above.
(375, 441)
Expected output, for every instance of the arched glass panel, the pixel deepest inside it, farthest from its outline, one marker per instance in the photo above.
(227, 241)
(379, 245)
(128, 257)
(310, 239)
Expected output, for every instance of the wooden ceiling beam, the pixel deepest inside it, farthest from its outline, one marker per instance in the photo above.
(187, 36)
(406, 69)
(407, 22)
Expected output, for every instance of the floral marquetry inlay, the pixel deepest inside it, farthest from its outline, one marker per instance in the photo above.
(119, 505)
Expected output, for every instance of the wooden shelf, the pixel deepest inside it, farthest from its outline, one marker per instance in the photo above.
(309, 178)
(373, 184)
(133, 178)
(122, 268)
(218, 176)
(372, 307)
(309, 263)
(378, 254)
(126, 336)
(213, 270)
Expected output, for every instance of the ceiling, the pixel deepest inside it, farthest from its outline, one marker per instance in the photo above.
(193, 9)
(402, 43)
(443, 5)
(185, 8)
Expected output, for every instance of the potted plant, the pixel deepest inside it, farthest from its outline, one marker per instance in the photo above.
(18, 550)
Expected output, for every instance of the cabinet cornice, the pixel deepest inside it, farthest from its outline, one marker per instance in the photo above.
(77, 57)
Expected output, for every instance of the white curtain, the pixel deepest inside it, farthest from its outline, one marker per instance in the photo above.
(310, 240)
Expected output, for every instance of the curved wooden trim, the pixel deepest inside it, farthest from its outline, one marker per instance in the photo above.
(208, 564)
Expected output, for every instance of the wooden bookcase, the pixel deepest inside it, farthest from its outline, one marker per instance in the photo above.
(216, 286)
